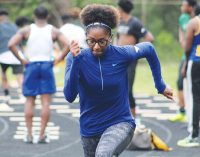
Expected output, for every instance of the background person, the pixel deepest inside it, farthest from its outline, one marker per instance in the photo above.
(129, 32)
(38, 76)
(192, 52)
(71, 29)
(187, 11)
(7, 59)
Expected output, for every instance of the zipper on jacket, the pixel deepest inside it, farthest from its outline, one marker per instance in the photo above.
(101, 74)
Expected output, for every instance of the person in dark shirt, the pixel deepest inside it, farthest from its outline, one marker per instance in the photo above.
(129, 32)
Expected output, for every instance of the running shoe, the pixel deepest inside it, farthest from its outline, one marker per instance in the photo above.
(188, 142)
(180, 117)
(7, 99)
(28, 139)
(44, 140)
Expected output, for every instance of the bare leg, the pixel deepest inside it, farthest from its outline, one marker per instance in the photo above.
(19, 80)
(29, 113)
(180, 116)
(5, 82)
(181, 99)
(45, 113)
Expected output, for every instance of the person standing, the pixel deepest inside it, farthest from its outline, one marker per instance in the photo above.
(99, 75)
(192, 52)
(22, 21)
(38, 75)
(7, 59)
(129, 32)
(187, 12)
(71, 30)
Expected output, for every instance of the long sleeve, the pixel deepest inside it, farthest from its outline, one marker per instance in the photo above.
(71, 78)
(146, 50)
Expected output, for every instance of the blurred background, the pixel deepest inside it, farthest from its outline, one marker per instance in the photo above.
(159, 16)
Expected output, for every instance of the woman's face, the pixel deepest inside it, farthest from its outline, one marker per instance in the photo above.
(185, 7)
(98, 39)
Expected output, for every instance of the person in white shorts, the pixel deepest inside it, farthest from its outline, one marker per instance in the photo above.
(7, 59)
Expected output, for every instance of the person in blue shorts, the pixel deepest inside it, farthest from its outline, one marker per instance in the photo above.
(38, 75)
(99, 75)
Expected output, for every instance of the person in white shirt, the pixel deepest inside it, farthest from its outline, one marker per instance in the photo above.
(38, 75)
(71, 30)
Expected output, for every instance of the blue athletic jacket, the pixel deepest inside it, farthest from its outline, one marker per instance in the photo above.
(102, 85)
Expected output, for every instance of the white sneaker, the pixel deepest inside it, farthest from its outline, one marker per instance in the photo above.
(28, 139)
(7, 99)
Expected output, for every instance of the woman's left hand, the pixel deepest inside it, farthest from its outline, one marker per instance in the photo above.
(168, 92)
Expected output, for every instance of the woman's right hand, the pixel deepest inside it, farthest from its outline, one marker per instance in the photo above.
(168, 92)
(75, 48)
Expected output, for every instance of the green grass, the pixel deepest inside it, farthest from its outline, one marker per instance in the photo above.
(144, 80)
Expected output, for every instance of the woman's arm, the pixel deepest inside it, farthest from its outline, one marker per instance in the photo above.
(146, 50)
(72, 72)
(15, 41)
(71, 78)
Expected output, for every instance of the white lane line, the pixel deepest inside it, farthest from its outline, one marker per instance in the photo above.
(36, 128)
(5, 107)
(19, 137)
(16, 119)
(160, 98)
(50, 124)
(157, 115)
(52, 132)
(54, 107)
(142, 96)
(11, 114)
(59, 107)
(173, 107)
(159, 105)
(69, 111)
(143, 101)
(150, 111)
(76, 115)
(59, 94)
(59, 100)
(16, 101)
(5, 126)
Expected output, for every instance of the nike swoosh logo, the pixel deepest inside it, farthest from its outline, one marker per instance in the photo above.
(136, 49)
(114, 65)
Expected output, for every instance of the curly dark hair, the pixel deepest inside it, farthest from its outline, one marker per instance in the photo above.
(100, 13)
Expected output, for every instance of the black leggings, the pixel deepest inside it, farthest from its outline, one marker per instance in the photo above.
(195, 79)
